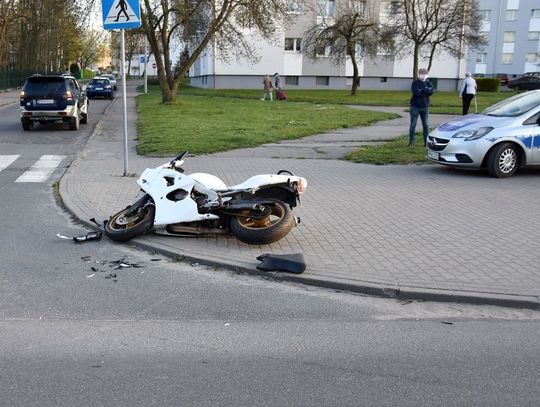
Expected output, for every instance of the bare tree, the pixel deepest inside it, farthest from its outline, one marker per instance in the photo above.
(199, 23)
(7, 15)
(431, 26)
(353, 31)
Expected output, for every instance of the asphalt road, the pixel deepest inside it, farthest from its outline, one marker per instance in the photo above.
(77, 331)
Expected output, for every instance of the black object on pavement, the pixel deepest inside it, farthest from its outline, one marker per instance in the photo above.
(87, 237)
(292, 263)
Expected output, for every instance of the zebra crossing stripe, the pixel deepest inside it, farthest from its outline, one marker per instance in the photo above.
(42, 169)
(7, 160)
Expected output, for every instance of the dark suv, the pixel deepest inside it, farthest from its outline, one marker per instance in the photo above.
(51, 98)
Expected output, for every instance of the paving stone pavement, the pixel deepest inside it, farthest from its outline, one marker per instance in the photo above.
(415, 231)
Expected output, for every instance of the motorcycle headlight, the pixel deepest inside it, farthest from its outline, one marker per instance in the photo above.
(469, 135)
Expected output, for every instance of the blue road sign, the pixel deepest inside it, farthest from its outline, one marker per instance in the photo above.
(119, 14)
(141, 58)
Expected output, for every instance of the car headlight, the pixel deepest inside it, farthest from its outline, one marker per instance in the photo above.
(469, 135)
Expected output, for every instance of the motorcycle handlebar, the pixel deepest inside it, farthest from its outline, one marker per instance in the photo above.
(179, 157)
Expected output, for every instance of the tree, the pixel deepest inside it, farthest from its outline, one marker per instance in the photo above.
(353, 31)
(448, 26)
(46, 34)
(197, 23)
(7, 15)
(91, 48)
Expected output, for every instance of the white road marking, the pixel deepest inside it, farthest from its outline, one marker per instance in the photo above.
(42, 169)
(7, 160)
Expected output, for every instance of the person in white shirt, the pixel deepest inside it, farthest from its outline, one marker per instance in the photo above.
(468, 91)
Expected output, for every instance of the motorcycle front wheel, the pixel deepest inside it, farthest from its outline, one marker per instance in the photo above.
(266, 230)
(121, 227)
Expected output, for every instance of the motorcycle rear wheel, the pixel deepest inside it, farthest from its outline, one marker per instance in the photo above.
(265, 230)
(121, 228)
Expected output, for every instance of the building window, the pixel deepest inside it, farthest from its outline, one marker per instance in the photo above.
(293, 44)
(507, 58)
(326, 8)
(291, 80)
(324, 51)
(389, 8)
(533, 35)
(322, 80)
(510, 15)
(359, 6)
(531, 57)
(535, 13)
(509, 36)
(481, 58)
(485, 15)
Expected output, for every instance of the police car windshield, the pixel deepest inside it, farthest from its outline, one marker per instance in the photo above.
(514, 106)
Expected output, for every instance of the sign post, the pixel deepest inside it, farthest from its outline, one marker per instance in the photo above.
(122, 14)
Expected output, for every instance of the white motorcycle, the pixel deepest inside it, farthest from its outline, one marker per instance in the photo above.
(257, 211)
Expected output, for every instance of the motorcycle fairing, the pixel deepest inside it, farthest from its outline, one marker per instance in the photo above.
(158, 183)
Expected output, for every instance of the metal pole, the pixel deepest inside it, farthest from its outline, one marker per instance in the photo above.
(145, 67)
(124, 97)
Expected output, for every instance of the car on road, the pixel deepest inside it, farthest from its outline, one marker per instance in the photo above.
(111, 78)
(501, 139)
(503, 78)
(100, 87)
(526, 82)
(51, 98)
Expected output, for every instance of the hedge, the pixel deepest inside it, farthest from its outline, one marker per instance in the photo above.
(488, 84)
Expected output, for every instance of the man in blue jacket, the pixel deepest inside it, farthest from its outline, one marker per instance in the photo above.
(421, 89)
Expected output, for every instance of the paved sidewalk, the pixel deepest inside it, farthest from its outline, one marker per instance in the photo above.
(9, 97)
(424, 232)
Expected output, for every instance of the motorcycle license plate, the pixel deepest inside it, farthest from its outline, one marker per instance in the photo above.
(432, 155)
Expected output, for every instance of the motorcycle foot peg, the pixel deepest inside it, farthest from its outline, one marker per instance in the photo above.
(297, 219)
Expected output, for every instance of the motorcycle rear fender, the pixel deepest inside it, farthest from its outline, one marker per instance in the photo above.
(265, 180)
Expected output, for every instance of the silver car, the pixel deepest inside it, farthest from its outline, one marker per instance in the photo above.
(502, 138)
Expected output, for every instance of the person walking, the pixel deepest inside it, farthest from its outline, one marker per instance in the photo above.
(468, 92)
(267, 85)
(421, 89)
(277, 81)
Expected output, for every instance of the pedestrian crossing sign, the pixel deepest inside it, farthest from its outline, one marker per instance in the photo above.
(118, 14)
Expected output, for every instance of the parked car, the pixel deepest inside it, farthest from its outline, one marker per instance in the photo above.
(100, 87)
(525, 82)
(502, 138)
(503, 78)
(112, 79)
(52, 98)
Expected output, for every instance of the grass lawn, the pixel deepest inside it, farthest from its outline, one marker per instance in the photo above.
(441, 102)
(210, 123)
(396, 151)
(210, 120)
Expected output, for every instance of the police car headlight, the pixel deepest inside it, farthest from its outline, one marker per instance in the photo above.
(469, 135)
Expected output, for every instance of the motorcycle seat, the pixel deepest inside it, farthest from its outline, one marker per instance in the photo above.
(292, 263)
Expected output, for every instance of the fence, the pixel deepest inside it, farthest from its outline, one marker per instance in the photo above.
(12, 79)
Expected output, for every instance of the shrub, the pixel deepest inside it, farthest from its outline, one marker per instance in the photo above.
(488, 84)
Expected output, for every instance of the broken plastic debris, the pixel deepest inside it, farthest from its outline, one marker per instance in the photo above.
(63, 237)
(87, 237)
(91, 275)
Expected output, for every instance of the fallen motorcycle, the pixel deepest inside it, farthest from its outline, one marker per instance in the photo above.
(257, 211)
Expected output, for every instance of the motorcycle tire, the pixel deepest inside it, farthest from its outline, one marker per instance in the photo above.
(121, 229)
(265, 230)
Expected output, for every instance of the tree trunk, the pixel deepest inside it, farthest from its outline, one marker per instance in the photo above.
(355, 74)
(416, 57)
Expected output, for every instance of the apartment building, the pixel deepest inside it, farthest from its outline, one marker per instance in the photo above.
(284, 55)
(513, 31)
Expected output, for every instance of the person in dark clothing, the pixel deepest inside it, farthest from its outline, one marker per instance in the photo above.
(421, 89)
